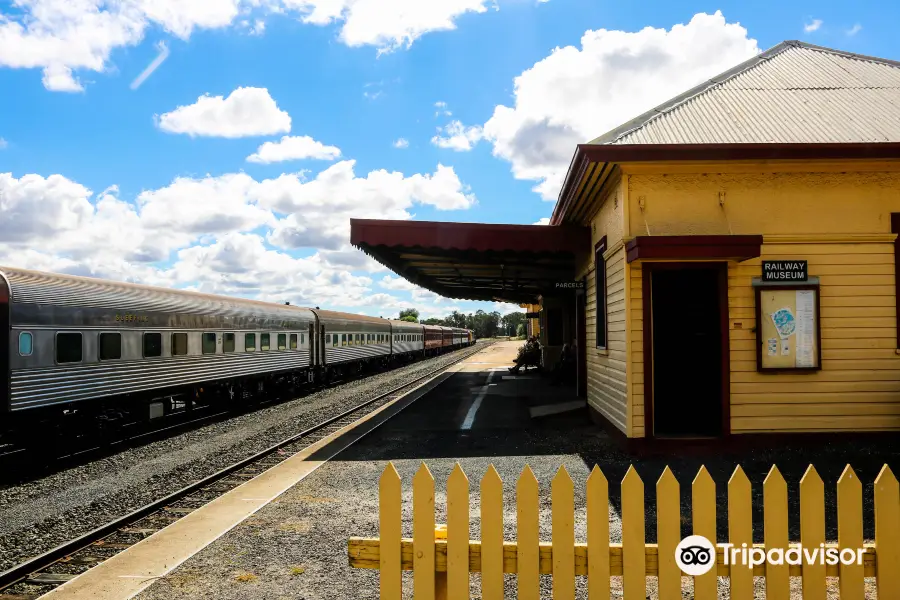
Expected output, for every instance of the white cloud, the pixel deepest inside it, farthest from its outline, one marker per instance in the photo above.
(397, 283)
(457, 136)
(401, 143)
(293, 148)
(320, 210)
(3, 143)
(247, 111)
(61, 36)
(542, 221)
(385, 24)
(228, 234)
(576, 94)
(855, 29)
(813, 25)
(160, 58)
(442, 109)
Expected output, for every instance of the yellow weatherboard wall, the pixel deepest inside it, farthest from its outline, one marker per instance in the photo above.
(607, 386)
(834, 215)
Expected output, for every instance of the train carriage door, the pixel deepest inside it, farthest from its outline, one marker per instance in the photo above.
(313, 345)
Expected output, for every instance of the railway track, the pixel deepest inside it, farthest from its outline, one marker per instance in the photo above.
(19, 463)
(38, 575)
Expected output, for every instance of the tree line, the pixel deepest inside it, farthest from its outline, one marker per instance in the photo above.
(484, 324)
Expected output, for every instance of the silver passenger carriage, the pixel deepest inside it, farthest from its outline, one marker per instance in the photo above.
(74, 342)
(350, 338)
(408, 338)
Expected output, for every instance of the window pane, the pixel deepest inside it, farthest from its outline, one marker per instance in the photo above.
(250, 342)
(152, 345)
(294, 340)
(179, 344)
(302, 338)
(264, 341)
(209, 343)
(344, 339)
(110, 346)
(334, 340)
(68, 347)
(26, 344)
(600, 293)
(227, 342)
(282, 341)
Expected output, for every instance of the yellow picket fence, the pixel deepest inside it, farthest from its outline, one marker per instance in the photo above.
(442, 558)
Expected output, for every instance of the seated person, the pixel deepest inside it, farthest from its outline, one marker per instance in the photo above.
(529, 354)
(566, 363)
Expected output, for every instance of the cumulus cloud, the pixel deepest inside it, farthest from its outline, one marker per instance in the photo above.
(293, 148)
(227, 234)
(457, 136)
(401, 143)
(61, 36)
(385, 24)
(542, 221)
(246, 112)
(576, 94)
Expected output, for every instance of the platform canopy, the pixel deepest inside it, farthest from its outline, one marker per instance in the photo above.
(475, 261)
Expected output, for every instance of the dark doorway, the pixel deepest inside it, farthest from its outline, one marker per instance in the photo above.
(687, 331)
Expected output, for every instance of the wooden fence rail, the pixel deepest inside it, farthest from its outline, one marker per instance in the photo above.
(442, 557)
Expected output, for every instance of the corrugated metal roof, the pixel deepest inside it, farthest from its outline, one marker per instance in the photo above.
(792, 93)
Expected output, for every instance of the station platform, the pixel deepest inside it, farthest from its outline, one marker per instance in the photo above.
(295, 545)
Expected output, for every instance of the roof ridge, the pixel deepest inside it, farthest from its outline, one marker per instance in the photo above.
(751, 63)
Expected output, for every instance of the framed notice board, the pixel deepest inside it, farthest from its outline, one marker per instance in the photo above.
(788, 333)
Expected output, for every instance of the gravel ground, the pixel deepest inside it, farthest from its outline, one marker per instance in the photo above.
(38, 515)
(296, 547)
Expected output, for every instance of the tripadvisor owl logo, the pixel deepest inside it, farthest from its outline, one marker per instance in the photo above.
(695, 555)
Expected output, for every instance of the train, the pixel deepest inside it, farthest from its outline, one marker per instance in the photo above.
(86, 347)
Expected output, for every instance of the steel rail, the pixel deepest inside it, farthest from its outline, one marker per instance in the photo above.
(22, 571)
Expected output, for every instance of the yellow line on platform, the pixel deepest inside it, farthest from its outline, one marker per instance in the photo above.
(130, 572)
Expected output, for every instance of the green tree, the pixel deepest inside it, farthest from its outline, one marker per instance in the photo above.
(510, 323)
(409, 314)
(432, 321)
(520, 330)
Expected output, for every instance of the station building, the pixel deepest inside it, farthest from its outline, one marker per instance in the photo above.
(726, 263)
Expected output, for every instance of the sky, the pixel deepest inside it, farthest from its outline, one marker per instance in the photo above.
(224, 145)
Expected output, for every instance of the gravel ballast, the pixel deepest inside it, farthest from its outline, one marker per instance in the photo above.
(41, 514)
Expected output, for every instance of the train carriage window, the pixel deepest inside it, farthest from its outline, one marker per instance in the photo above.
(152, 345)
(250, 342)
(209, 343)
(334, 339)
(264, 341)
(227, 342)
(282, 341)
(26, 344)
(179, 344)
(343, 339)
(68, 347)
(302, 339)
(294, 341)
(110, 346)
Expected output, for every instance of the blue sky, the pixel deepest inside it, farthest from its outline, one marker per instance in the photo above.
(99, 178)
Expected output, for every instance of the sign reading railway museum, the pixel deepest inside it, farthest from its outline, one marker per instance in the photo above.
(785, 270)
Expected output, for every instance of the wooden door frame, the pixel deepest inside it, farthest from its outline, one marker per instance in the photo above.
(721, 269)
(581, 342)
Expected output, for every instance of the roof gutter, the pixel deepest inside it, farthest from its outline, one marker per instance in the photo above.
(586, 154)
